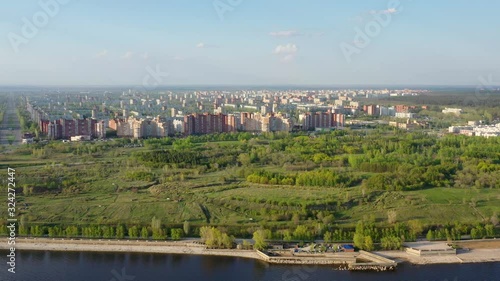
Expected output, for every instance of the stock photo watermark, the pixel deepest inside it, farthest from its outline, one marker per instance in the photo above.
(372, 29)
(121, 276)
(154, 78)
(31, 26)
(124, 276)
(483, 91)
(224, 6)
(301, 273)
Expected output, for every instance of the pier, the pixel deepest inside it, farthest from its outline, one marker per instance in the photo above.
(361, 260)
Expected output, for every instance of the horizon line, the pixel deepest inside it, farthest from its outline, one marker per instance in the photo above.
(243, 85)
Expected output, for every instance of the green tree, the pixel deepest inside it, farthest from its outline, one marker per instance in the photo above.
(287, 236)
(71, 231)
(108, 232)
(490, 230)
(416, 227)
(391, 243)
(176, 233)
(359, 235)
(302, 233)
(23, 230)
(120, 232)
(368, 245)
(214, 238)
(144, 233)
(133, 232)
(159, 234)
(430, 235)
(3, 228)
(37, 231)
(328, 237)
(227, 241)
(259, 238)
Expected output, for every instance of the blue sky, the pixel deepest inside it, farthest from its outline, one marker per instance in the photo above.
(251, 42)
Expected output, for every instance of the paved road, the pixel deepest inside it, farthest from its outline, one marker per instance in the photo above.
(10, 125)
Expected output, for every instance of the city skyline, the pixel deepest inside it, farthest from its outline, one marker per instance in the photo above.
(248, 43)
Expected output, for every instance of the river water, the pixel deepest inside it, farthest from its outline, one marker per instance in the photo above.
(76, 266)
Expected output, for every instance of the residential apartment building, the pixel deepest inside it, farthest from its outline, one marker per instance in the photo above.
(208, 123)
(322, 120)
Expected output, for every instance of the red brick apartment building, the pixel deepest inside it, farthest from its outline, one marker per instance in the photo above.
(208, 123)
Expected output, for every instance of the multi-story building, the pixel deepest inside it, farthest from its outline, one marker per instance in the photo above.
(143, 128)
(371, 109)
(402, 108)
(65, 128)
(256, 122)
(276, 123)
(208, 123)
(323, 120)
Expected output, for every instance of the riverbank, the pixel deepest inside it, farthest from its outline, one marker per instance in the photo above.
(128, 246)
(470, 251)
(469, 255)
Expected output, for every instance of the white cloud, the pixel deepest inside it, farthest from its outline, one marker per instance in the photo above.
(286, 52)
(293, 33)
(178, 58)
(286, 49)
(127, 55)
(102, 53)
(202, 45)
(285, 33)
(145, 56)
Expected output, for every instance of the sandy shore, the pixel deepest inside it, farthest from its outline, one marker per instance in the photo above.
(137, 246)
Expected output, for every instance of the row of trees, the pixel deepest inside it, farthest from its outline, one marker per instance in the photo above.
(118, 232)
(155, 231)
(365, 236)
(160, 158)
(323, 178)
(390, 239)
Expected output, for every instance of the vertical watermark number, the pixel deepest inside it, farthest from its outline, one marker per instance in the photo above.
(11, 220)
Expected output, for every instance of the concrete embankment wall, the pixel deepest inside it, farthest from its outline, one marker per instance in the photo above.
(319, 260)
(437, 252)
(374, 258)
(377, 263)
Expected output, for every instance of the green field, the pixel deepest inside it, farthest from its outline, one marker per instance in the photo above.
(105, 183)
